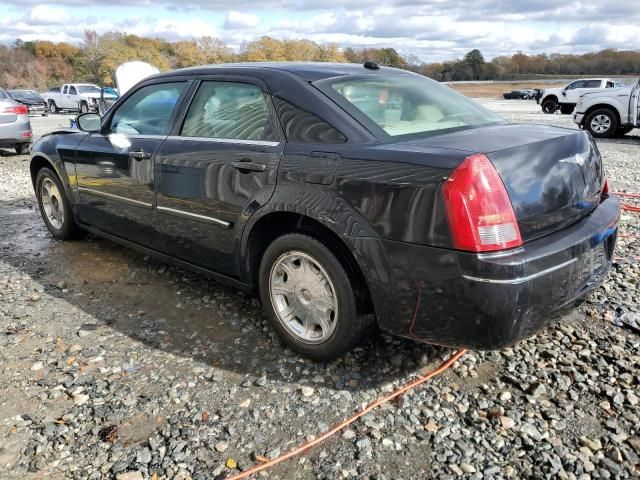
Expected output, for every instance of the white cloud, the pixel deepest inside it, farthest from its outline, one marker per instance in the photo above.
(239, 20)
(48, 15)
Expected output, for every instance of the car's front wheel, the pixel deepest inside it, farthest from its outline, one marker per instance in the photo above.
(549, 106)
(309, 297)
(54, 205)
(602, 123)
(53, 108)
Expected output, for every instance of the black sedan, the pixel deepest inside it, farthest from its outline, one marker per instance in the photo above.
(31, 99)
(345, 196)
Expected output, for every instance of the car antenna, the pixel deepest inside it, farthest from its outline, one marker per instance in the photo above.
(369, 65)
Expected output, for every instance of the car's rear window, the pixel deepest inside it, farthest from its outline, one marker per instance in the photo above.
(408, 104)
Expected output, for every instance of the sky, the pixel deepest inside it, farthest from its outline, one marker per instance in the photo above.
(433, 30)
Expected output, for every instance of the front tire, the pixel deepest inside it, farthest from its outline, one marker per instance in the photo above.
(549, 106)
(601, 123)
(308, 296)
(54, 206)
(53, 108)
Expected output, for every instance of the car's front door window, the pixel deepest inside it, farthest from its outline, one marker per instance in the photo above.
(148, 110)
(229, 110)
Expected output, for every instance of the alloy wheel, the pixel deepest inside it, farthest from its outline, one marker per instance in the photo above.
(52, 203)
(600, 123)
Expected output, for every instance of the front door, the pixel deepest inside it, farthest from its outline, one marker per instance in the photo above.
(114, 168)
(219, 165)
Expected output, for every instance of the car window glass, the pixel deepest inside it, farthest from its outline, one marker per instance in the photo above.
(610, 85)
(301, 126)
(592, 84)
(229, 110)
(65, 90)
(2, 94)
(147, 111)
(73, 91)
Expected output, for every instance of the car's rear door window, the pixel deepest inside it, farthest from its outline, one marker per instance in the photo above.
(592, 84)
(229, 110)
(148, 110)
(301, 126)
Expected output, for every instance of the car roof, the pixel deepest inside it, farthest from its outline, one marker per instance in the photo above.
(310, 71)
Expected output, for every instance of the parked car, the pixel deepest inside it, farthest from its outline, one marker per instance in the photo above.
(610, 112)
(565, 98)
(79, 97)
(15, 127)
(420, 210)
(516, 94)
(32, 99)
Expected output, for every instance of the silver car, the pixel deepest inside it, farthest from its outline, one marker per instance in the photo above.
(15, 127)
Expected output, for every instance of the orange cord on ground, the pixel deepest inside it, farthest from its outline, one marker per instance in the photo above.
(626, 206)
(306, 446)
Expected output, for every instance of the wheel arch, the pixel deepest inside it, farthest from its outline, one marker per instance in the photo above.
(40, 160)
(277, 223)
(551, 96)
(602, 106)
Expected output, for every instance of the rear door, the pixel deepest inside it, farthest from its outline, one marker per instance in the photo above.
(219, 164)
(115, 170)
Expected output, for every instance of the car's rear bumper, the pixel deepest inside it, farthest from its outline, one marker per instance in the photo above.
(16, 132)
(488, 301)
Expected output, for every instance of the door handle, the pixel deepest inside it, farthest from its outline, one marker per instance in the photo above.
(246, 166)
(139, 155)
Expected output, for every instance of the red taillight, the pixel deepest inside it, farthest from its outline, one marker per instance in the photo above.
(605, 187)
(478, 207)
(27, 134)
(18, 110)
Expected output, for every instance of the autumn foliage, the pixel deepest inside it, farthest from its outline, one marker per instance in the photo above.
(41, 64)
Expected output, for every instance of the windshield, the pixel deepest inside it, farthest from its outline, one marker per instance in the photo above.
(408, 104)
(2, 94)
(109, 92)
(88, 89)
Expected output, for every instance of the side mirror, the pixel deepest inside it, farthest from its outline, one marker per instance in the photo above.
(88, 122)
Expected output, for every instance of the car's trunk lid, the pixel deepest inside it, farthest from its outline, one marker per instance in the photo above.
(554, 176)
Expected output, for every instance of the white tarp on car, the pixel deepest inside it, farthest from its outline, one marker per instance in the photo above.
(130, 73)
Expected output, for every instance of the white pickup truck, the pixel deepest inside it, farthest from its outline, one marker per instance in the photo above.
(79, 97)
(565, 98)
(610, 112)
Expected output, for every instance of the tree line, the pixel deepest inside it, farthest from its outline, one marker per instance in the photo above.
(41, 64)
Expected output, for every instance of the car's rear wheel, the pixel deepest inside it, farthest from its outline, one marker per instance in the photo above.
(54, 205)
(602, 123)
(53, 108)
(566, 109)
(309, 297)
(549, 106)
(21, 148)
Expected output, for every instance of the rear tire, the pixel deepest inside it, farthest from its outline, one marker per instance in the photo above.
(54, 206)
(309, 298)
(53, 108)
(21, 148)
(601, 123)
(566, 109)
(549, 106)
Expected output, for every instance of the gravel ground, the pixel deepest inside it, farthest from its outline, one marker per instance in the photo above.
(113, 365)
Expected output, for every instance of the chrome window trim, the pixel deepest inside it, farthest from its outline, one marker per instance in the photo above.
(234, 141)
(99, 193)
(518, 280)
(194, 216)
